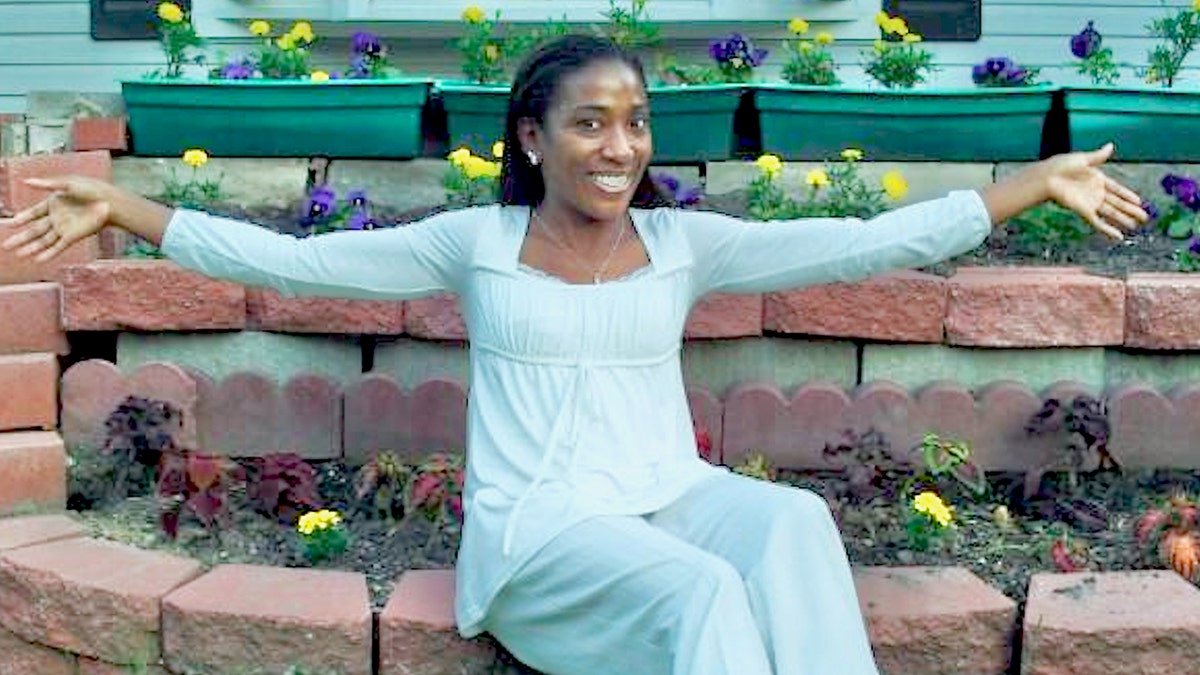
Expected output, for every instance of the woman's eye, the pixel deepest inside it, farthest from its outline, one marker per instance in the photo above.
(589, 125)
(640, 123)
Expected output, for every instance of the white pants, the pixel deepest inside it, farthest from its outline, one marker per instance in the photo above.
(737, 576)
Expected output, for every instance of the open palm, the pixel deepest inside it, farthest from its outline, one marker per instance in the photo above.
(77, 209)
(1076, 182)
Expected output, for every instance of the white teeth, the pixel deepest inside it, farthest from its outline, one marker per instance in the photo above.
(611, 182)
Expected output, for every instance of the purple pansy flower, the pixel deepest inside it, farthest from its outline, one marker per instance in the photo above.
(357, 198)
(360, 220)
(367, 44)
(736, 49)
(682, 196)
(1194, 246)
(1150, 208)
(1086, 42)
(239, 68)
(321, 202)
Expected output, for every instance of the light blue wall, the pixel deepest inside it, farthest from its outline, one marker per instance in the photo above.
(46, 45)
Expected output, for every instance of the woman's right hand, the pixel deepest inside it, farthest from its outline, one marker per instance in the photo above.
(77, 208)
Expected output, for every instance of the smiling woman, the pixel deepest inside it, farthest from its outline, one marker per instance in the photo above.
(595, 538)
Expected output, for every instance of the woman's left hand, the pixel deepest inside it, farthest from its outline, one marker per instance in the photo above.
(1075, 181)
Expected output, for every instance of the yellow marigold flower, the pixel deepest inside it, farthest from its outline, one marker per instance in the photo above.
(817, 178)
(195, 158)
(824, 38)
(799, 26)
(286, 42)
(913, 37)
(259, 27)
(491, 169)
(770, 165)
(491, 53)
(319, 76)
(881, 18)
(932, 505)
(896, 26)
(170, 12)
(498, 149)
(1196, 5)
(852, 154)
(459, 156)
(478, 167)
(302, 31)
(805, 46)
(318, 520)
(473, 14)
(894, 184)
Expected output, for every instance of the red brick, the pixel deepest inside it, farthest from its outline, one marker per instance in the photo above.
(1116, 623)
(28, 391)
(268, 310)
(380, 415)
(1018, 307)
(30, 530)
(1162, 311)
(92, 390)
(903, 307)
(435, 318)
(14, 171)
(417, 633)
(248, 415)
(29, 319)
(99, 133)
(725, 315)
(790, 432)
(148, 295)
(33, 471)
(14, 270)
(96, 598)
(18, 657)
(239, 618)
(935, 621)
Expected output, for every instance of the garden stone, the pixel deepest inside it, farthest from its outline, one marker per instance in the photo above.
(92, 390)
(248, 415)
(411, 362)
(1161, 311)
(913, 366)
(417, 634)
(1116, 623)
(926, 180)
(267, 310)
(90, 666)
(33, 471)
(1161, 370)
(22, 531)
(707, 413)
(791, 432)
(404, 186)
(935, 621)
(725, 315)
(29, 319)
(903, 306)
(36, 377)
(382, 416)
(219, 355)
(437, 317)
(238, 618)
(65, 104)
(24, 658)
(91, 597)
(148, 295)
(718, 365)
(1155, 429)
(248, 182)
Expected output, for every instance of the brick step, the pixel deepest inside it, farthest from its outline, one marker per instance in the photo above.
(28, 391)
(33, 472)
(29, 319)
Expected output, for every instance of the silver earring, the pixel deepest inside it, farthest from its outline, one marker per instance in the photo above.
(533, 157)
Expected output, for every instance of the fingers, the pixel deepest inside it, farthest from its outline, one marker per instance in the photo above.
(59, 246)
(30, 214)
(36, 237)
(24, 235)
(49, 183)
(1099, 223)
(1114, 214)
(1101, 155)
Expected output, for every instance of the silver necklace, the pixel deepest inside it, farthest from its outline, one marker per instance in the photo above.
(596, 272)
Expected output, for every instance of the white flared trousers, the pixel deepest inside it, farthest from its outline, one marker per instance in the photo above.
(738, 576)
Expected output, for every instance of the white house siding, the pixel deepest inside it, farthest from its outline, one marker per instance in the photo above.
(46, 44)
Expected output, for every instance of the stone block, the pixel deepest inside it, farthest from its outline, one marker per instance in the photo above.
(91, 597)
(411, 362)
(936, 621)
(219, 355)
(25, 658)
(417, 634)
(1115, 623)
(1155, 429)
(381, 415)
(61, 104)
(14, 137)
(148, 295)
(33, 472)
(29, 319)
(92, 390)
(903, 307)
(1043, 307)
(1162, 311)
(725, 315)
(248, 415)
(435, 318)
(718, 365)
(99, 133)
(707, 417)
(36, 377)
(913, 366)
(1162, 370)
(238, 618)
(90, 666)
(251, 183)
(48, 136)
(267, 310)
(421, 178)
(14, 171)
(31, 530)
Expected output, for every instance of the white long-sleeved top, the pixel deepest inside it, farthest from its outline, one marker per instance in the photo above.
(577, 405)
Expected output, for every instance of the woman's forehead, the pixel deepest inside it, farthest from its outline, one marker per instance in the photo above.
(604, 84)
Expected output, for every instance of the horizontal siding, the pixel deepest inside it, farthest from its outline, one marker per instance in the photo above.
(46, 44)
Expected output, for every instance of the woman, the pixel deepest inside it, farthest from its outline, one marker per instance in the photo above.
(595, 539)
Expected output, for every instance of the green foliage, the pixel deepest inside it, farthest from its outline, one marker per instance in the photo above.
(899, 65)
(1047, 231)
(1177, 34)
(809, 63)
(488, 52)
(471, 180)
(178, 37)
(945, 466)
(381, 485)
(631, 28)
(756, 465)
(836, 190)
(1100, 67)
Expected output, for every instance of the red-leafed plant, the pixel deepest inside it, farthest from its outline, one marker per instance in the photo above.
(381, 485)
(436, 491)
(1171, 532)
(1069, 555)
(137, 434)
(704, 445)
(281, 485)
(196, 485)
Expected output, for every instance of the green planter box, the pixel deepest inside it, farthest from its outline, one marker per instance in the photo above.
(956, 125)
(277, 118)
(694, 123)
(474, 114)
(1147, 124)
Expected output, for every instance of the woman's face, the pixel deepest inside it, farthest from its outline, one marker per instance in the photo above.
(595, 142)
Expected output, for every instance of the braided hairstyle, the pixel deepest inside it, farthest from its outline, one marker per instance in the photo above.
(533, 91)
